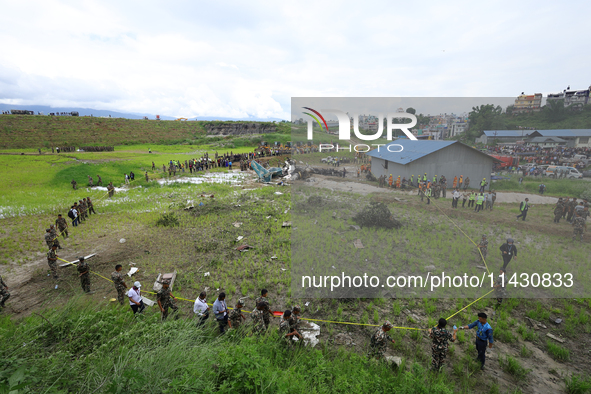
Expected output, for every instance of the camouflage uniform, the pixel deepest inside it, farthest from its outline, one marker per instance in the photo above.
(52, 262)
(99, 181)
(117, 279)
(236, 317)
(48, 239)
(164, 297)
(379, 344)
(284, 329)
(258, 322)
(579, 228)
(74, 183)
(500, 290)
(558, 211)
(266, 310)
(55, 236)
(90, 206)
(439, 347)
(4, 294)
(62, 226)
(483, 247)
(84, 279)
(294, 319)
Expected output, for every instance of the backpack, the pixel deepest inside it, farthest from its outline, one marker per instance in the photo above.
(71, 214)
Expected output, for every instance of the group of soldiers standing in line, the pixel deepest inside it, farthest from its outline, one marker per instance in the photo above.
(574, 213)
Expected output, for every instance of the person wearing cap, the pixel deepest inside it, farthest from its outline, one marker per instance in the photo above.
(84, 274)
(483, 246)
(220, 311)
(483, 184)
(439, 347)
(379, 341)
(390, 180)
(509, 251)
(425, 177)
(484, 334)
(460, 182)
(165, 299)
(523, 207)
(201, 308)
(428, 195)
(119, 283)
(135, 298)
(236, 316)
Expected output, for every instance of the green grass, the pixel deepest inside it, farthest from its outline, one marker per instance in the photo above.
(577, 384)
(44, 132)
(512, 367)
(554, 187)
(557, 352)
(106, 350)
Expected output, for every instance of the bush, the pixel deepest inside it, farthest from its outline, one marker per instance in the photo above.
(167, 220)
(376, 214)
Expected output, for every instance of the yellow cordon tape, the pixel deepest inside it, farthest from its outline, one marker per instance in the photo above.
(307, 319)
(459, 228)
(470, 304)
(331, 321)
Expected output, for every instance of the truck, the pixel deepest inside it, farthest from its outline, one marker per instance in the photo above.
(506, 161)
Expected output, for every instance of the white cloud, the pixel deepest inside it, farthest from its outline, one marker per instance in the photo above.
(239, 59)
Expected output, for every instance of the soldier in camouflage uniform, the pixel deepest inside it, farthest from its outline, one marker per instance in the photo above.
(285, 328)
(258, 319)
(165, 300)
(439, 347)
(579, 227)
(499, 287)
(84, 274)
(111, 189)
(62, 225)
(120, 285)
(90, 206)
(147, 179)
(52, 260)
(54, 235)
(236, 317)
(443, 183)
(74, 184)
(4, 294)
(379, 341)
(571, 210)
(48, 238)
(294, 320)
(90, 181)
(483, 246)
(558, 210)
(85, 204)
(267, 311)
(565, 203)
(99, 181)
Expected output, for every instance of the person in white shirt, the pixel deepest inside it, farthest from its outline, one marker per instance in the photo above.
(456, 197)
(135, 299)
(201, 308)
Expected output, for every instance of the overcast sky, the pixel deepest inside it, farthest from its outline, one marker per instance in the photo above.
(248, 58)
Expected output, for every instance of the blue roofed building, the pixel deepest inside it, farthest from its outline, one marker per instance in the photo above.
(449, 158)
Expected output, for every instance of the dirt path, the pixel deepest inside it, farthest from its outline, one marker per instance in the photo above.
(321, 181)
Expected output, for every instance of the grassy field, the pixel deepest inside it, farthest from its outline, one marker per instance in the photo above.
(107, 350)
(33, 132)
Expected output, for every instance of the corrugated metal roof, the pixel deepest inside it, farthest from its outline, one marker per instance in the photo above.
(413, 150)
(545, 133)
(545, 139)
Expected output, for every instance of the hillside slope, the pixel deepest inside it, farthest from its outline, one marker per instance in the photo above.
(17, 131)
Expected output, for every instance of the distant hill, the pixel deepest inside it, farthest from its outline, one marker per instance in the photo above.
(32, 131)
(105, 113)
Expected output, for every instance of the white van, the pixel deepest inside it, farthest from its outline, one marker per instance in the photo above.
(571, 172)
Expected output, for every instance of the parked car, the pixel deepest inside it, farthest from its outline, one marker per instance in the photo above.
(571, 172)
